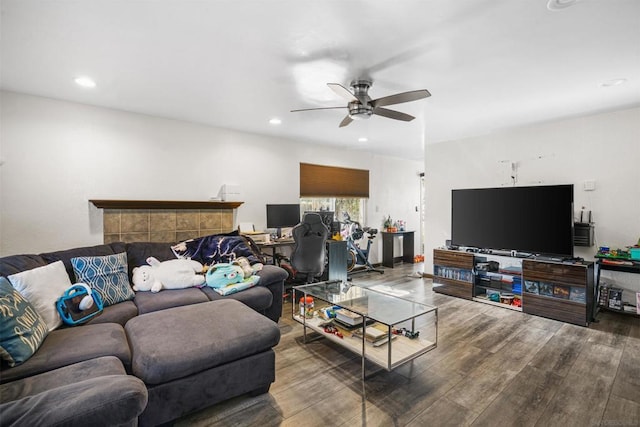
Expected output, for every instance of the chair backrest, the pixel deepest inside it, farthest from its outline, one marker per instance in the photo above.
(309, 250)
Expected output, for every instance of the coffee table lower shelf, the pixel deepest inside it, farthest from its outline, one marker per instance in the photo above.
(402, 349)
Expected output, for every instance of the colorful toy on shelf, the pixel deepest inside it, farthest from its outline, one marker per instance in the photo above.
(330, 329)
(607, 253)
(407, 333)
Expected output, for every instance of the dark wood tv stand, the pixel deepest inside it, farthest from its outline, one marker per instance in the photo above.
(558, 290)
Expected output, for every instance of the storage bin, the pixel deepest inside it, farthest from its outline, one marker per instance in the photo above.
(635, 253)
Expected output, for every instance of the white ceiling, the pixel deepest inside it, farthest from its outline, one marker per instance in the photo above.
(489, 64)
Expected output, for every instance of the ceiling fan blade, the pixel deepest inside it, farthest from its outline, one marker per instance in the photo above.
(345, 121)
(342, 91)
(392, 114)
(321, 108)
(399, 98)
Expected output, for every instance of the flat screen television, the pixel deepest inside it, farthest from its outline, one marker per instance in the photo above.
(536, 220)
(282, 216)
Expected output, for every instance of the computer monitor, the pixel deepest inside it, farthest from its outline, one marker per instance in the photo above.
(283, 215)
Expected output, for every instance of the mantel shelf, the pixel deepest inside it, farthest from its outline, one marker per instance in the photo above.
(163, 204)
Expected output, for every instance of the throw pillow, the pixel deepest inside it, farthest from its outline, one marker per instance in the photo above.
(42, 286)
(22, 329)
(106, 274)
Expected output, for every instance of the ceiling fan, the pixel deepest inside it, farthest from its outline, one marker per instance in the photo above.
(361, 106)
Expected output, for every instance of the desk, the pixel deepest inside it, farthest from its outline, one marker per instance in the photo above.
(387, 247)
(602, 265)
(273, 246)
(336, 257)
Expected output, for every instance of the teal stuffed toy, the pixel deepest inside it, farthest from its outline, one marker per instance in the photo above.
(227, 279)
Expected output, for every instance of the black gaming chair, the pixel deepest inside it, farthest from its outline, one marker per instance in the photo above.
(308, 253)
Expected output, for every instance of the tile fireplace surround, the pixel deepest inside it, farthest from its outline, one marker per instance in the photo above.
(163, 221)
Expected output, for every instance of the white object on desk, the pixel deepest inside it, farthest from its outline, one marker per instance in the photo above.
(246, 227)
(259, 237)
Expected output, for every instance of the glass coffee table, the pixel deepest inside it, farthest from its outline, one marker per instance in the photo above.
(382, 328)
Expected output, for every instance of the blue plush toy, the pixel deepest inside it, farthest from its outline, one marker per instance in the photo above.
(229, 278)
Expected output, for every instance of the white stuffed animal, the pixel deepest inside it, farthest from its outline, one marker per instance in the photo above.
(172, 274)
(248, 269)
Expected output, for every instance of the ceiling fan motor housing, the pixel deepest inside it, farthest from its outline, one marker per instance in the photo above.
(360, 109)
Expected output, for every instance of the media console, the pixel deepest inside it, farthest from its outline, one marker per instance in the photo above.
(558, 290)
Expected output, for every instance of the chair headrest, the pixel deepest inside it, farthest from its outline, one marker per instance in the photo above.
(311, 218)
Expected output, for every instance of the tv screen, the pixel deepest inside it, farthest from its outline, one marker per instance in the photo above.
(280, 216)
(536, 220)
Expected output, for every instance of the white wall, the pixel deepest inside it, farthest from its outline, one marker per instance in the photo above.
(58, 155)
(604, 148)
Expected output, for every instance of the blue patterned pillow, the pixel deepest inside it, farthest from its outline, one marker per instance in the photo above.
(105, 274)
(22, 329)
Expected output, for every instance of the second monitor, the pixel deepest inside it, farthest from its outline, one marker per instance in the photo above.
(282, 216)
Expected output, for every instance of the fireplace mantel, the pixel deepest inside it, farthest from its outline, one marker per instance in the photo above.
(164, 220)
(163, 204)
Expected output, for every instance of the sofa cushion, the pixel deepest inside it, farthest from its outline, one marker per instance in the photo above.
(96, 392)
(16, 263)
(118, 313)
(107, 274)
(42, 286)
(214, 333)
(22, 329)
(65, 346)
(66, 255)
(148, 302)
(258, 298)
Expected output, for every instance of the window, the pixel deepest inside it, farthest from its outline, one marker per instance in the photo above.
(330, 188)
(355, 207)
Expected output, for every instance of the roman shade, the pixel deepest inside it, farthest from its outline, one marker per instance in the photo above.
(331, 181)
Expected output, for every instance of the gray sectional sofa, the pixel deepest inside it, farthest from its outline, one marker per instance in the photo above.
(148, 360)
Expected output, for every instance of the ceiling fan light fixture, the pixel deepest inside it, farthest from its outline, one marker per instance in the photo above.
(358, 111)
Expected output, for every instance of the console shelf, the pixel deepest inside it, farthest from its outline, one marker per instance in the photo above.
(557, 290)
(453, 273)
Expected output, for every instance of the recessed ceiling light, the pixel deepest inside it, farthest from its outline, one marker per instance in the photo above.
(275, 121)
(614, 82)
(363, 139)
(560, 4)
(85, 81)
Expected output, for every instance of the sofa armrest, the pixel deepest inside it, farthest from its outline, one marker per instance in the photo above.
(272, 277)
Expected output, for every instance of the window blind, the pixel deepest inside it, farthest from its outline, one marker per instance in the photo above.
(331, 181)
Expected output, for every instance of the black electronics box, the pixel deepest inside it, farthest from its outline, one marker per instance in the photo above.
(582, 234)
(487, 266)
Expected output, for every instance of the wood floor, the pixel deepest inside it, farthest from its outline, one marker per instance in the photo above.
(492, 367)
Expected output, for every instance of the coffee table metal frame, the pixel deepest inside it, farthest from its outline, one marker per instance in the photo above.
(372, 306)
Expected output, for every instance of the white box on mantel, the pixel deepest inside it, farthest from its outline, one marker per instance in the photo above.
(230, 193)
